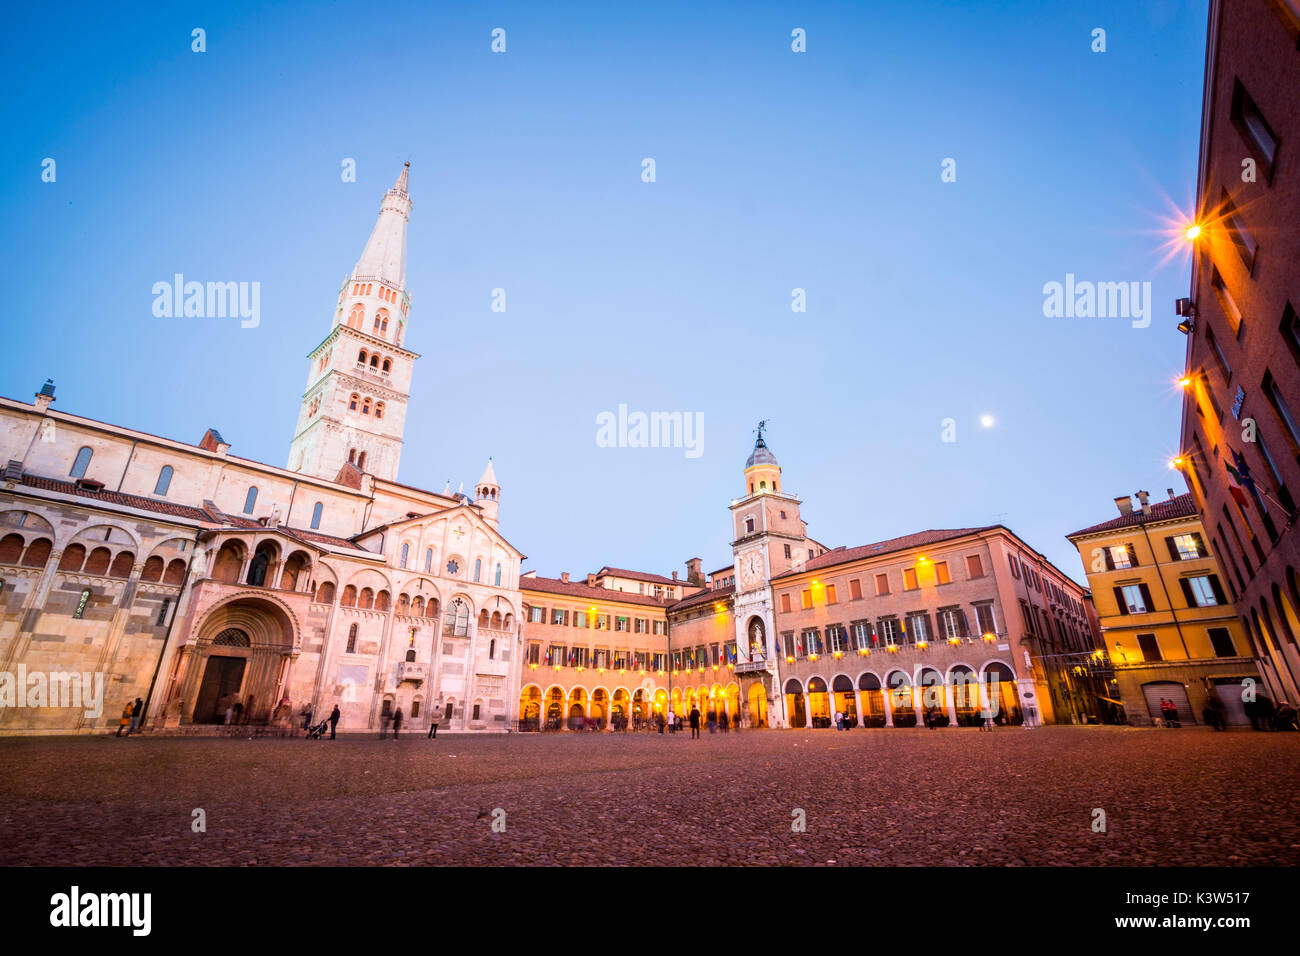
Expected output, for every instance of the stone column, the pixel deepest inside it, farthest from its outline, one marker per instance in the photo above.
(885, 695)
(951, 698)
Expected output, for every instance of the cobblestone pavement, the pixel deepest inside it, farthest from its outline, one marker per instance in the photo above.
(894, 797)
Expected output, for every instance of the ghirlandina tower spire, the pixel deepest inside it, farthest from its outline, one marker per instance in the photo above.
(354, 408)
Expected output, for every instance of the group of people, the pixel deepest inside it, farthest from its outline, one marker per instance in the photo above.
(1169, 713)
(1265, 715)
(132, 714)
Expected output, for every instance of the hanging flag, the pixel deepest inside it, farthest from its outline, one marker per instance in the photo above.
(1238, 479)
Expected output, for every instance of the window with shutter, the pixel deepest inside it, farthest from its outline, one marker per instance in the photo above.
(1150, 647)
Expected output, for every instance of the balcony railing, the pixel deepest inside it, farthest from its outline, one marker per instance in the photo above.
(414, 671)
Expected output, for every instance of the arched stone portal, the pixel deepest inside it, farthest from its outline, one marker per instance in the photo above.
(241, 655)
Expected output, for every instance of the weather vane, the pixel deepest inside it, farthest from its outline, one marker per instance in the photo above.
(761, 425)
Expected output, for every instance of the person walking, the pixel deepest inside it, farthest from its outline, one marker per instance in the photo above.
(306, 715)
(125, 722)
(839, 720)
(137, 715)
(695, 723)
(334, 720)
(433, 727)
(724, 722)
(397, 722)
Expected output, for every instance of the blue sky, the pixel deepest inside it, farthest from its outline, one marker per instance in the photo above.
(775, 171)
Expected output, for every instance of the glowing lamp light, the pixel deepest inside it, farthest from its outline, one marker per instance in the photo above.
(922, 560)
(839, 654)
(1176, 462)
(1184, 382)
(892, 648)
(789, 660)
(990, 638)
(1192, 232)
(922, 644)
(954, 641)
(812, 657)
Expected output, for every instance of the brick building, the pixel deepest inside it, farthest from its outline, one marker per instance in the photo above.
(1240, 440)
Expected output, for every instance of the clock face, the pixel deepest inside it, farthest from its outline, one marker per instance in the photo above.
(751, 569)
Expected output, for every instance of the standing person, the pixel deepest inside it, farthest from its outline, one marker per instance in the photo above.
(839, 720)
(125, 722)
(397, 722)
(695, 723)
(334, 720)
(433, 727)
(383, 725)
(724, 722)
(137, 713)
(230, 713)
(660, 721)
(306, 715)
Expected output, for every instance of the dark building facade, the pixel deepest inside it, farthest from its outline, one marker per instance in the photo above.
(1240, 436)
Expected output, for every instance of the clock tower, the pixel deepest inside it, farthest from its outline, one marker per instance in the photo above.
(768, 538)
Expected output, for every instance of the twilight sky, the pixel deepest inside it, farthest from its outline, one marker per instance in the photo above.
(775, 171)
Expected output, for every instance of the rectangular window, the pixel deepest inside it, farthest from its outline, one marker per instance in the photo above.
(864, 635)
(1121, 556)
(536, 615)
(1254, 128)
(985, 619)
(1281, 408)
(787, 551)
(909, 579)
(1290, 329)
(1221, 640)
(558, 616)
(1227, 303)
(580, 619)
(941, 574)
(476, 711)
(661, 627)
(1015, 570)
(835, 638)
(1132, 599)
(1219, 357)
(556, 658)
(787, 640)
(1200, 591)
(812, 641)
(882, 584)
(1150, 647)
(952, 623)
(917, 629)
(1238, 233)
(830, 595)
(855, 590)
(1187, 547)
(785, 603)
(888, 630)
(974, 566)
(600, 657)
(162, 612)
(805, 599)
(1029, 618)
(534, 652)
(620, 623)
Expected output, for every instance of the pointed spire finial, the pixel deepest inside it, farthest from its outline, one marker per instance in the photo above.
(402, 177)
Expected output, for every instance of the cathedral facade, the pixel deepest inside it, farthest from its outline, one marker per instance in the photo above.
(215, 588)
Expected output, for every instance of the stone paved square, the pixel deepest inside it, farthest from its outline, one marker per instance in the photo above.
(898, 797)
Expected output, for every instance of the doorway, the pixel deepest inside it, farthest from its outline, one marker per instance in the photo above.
(222, 677)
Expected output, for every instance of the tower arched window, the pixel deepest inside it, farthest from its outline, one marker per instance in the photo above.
(356, 316)
(316, 513)
(492, 649)
(456, 621)
(498, 580)
(365, 407)
(428, 559)
(164, 480)
(353, 401)
(363, 356)
(361, 461)
(379, 409)
(406, 551)
(388, 365)
(749, 525)
(478, 568)
(82, 463)
(352, 639)
(250, 500)
(374, 361)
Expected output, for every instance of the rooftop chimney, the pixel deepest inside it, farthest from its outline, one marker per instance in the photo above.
(45, 395)
(591, 580)
(674, 575)
(1124, 504)
(1142, 497)
(694, 573)
(564, 576)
